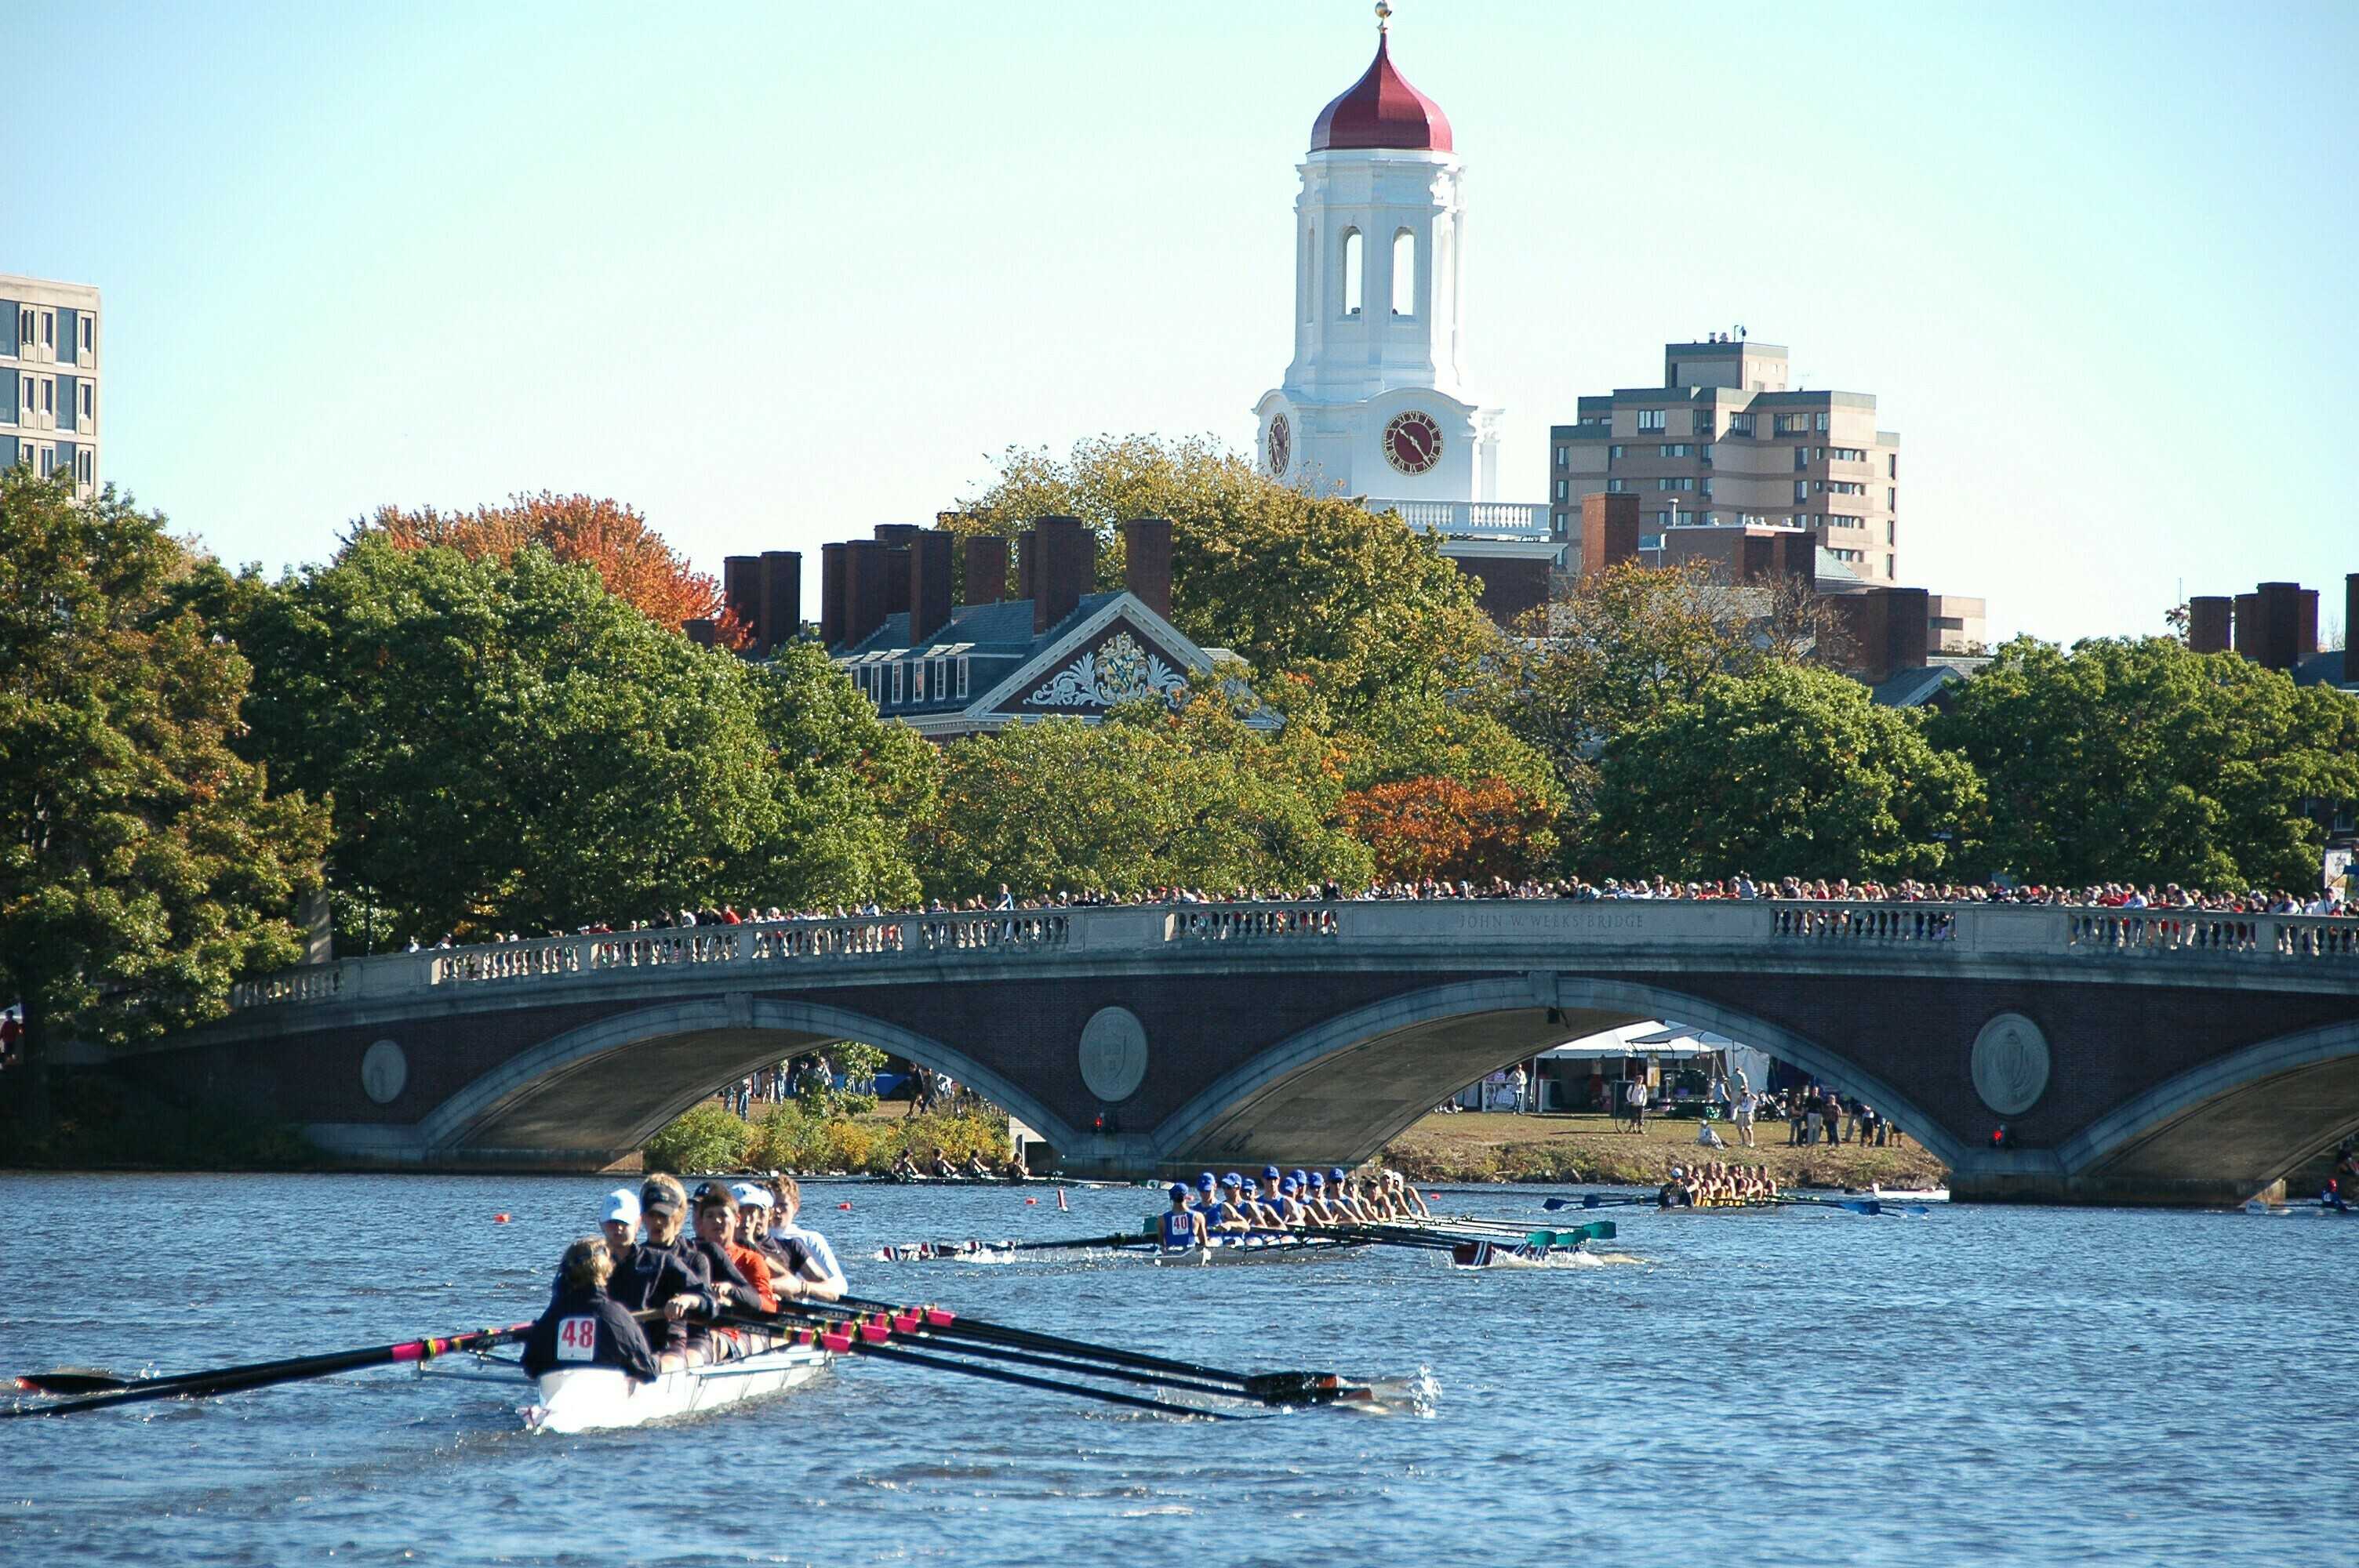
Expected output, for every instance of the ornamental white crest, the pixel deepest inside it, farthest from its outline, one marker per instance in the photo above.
(1120, 670)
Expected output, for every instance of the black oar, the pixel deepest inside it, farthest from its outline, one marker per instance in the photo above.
(1257, 1385)
(263, 1374)
(857, 1343)
(1592, 1200)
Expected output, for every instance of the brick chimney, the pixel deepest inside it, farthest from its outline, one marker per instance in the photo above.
(2350, 624)
(1027, 556)
(832, 561)
(929, 584)
(698, 631)
(896, 536)
(1147, 562)
(1609, 531)
(2207, 623)
(867, 566)
(2279, 633)
(782, 600)
(1068, 562)
(2305, 625)
(986, 568)
(740, 591)
(2248, 625)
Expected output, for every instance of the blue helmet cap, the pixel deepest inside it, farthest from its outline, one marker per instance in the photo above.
(1179, 1189)
(1289, 1186)
(1317, 1180)
(1269, 1173)
(1206, 1182)
(1233, 1180)
(1337, 1174)
(1301, 1177)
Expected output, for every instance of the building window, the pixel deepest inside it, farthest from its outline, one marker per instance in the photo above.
(49, 329)
(1822, 421)
(1704, 452)
(48, 394)
(1613, 454)
(1891, 498)
(24, 327)
(1887, 534)
(1793, 424)
(1707, 489)
(1650, 419)
(1675, 449)
(1560, 489)
(1892, 465)
(86, 330)
(1404, 273)
(1740, 424)
(1353, 270)
(1616, 486)
(1563, 456)
(896, 682)
(1675, 484)
(86, 466)
(87, 398)
(962, 663)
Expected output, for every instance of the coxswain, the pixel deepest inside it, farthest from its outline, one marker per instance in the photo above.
(1674, 1193)
(812, 1271)
(621, 1228)
(1181, 1226)
(584, 1326)
(664, 1273)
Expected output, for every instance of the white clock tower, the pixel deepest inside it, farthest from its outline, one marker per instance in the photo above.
(1375, 403)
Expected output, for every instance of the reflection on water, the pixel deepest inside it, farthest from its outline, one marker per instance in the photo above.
(2013, 1385)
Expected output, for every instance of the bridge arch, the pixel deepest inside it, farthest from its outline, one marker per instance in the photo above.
(1486, 1023)
(2259, 1113)
(651, 1064)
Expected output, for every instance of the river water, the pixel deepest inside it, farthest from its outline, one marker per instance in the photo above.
(2013, 1385)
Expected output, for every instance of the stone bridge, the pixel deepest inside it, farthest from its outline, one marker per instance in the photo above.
(2163, 1056)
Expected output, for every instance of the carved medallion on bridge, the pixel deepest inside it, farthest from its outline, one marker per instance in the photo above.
(2010, 1064)
(1113, 1054)
(385, 1072)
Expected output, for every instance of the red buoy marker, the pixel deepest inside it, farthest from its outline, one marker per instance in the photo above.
(843, 1206)
(499, 1219)
(1030, 1201)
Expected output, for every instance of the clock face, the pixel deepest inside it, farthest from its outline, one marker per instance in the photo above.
(1280, 445)
(1412, 442)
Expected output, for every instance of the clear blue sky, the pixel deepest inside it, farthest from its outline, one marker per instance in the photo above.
(776, 274)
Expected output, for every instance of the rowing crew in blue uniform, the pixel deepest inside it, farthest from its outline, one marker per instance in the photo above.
(1182, 1225)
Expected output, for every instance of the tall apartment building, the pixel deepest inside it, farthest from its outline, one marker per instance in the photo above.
(49, 352)
(1723, 443)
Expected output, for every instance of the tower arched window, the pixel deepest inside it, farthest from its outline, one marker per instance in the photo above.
(1355, 270)
(1404, 273)
(1310, 286)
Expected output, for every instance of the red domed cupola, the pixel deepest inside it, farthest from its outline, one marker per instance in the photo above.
(1382, 110)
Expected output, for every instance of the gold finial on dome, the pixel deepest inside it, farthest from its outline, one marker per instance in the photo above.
(1384, 15)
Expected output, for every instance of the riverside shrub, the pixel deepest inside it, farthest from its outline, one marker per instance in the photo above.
(706, 1139)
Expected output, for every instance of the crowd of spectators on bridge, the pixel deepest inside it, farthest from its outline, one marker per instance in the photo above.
(2112, 896)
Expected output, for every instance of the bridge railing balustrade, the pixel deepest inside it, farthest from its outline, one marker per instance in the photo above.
(1828, 921)
(314, 982)
(974, 932)
(1254, 922)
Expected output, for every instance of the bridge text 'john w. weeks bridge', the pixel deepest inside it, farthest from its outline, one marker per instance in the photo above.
(2141, 1057)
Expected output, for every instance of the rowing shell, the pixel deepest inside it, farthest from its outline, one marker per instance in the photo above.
(1253, 1251)
(599, 1399)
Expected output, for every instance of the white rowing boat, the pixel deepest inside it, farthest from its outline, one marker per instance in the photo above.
(598, 1399)
(1253, 1249)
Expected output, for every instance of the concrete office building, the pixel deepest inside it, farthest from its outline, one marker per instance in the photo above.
(1723, 442)
(48, 350)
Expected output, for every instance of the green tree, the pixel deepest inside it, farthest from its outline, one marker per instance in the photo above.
(1150, 799)
(1354, 604)
(1632, 640)
(144, 865)
(1787, 771)
(510, 746)
(2139, 759)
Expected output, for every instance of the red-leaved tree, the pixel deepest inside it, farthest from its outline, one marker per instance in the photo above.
(607, 537)
(1441, 827)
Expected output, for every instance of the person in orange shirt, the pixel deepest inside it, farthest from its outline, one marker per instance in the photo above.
(716, 1238)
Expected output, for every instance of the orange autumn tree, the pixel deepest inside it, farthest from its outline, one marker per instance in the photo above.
(1441, 827)
(607, 537)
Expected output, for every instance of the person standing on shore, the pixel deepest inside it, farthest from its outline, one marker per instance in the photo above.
(1636, 1100)
(1747, 1105)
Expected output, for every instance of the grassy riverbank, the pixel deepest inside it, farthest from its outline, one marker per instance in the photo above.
(1493, 1147)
